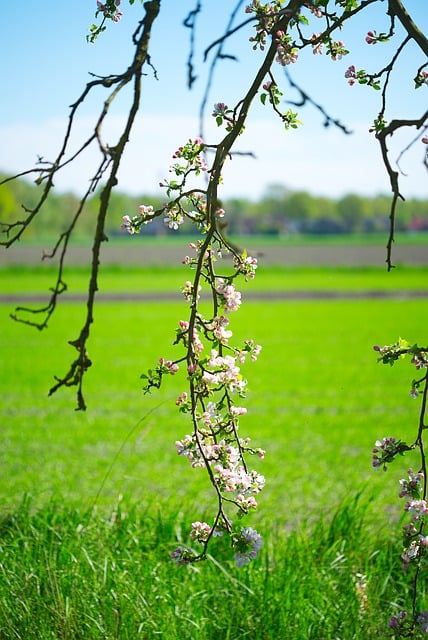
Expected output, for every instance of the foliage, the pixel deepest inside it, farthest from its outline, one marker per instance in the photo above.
(278, 212)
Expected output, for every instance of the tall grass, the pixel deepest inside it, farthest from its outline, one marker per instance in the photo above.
(74, 575)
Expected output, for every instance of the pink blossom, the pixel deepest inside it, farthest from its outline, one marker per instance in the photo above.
(318, 47)
(248, 545)
(232, 298)
(182, 399)
(127, 225)
(417, 508)
(220, 109)
(181, 555)
(201, 531)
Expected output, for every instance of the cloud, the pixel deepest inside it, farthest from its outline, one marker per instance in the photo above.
(318, 160)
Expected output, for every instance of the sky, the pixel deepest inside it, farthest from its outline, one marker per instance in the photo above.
(47, 63)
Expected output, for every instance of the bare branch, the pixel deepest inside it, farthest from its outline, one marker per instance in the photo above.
(396, 8)
(381, 136)
(305, 98)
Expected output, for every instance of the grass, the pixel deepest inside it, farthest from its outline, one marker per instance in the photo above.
(70, 574)
(14, 280)
(93, 503)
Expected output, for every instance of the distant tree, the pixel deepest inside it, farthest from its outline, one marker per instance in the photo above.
(352, 210)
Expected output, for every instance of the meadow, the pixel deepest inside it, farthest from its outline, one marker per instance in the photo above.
(93, 503)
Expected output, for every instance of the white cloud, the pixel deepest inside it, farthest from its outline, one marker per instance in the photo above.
(318, 160)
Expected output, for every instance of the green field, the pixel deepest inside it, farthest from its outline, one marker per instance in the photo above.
(180, 239)
(82, 567)
(16, 280)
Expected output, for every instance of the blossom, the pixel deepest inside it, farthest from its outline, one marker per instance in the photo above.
(224, 371)
(169, 366)
(187, 291)
(370, 38)
(337, 50)
(220, 330)
(420, 360)
(247, 266)
(411, 487)
(351, 74)
(410, 554)
(173, 218)
(396, 622)
(317, 47)
(182, 555)
(316, 11)
(237, 411)
(388, 449)
(201, 531)
(191, 154)
(246, 502)
(182, 399)
(127, 225)
(116, 16)
(248, 545)
(220, 109)
(231, 297)
(423, 621)
(417, 508)
(286, 54)
(144, 210)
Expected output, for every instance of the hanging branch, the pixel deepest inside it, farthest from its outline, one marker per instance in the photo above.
(111, 159)
(190, 23)
(381, 136)
(306, 99)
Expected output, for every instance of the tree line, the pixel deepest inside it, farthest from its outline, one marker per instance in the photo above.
(280, 211)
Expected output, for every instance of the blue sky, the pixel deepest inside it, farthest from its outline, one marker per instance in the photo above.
(46, 62)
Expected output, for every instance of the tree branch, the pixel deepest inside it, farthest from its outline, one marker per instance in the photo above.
(396, 8)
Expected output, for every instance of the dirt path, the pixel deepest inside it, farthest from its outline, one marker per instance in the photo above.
(31, 299)
(324, 255)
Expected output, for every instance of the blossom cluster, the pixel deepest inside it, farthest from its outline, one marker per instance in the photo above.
(362, 77)
(386, 450)
(225, 462)
(421, 79)
(286, 53)
(247, 545)
(412, 489)
(132, 224)
(191, 153)
(389, 354)
(215, 444)
(109, 9)
(267, 15)
(213, 365)
(222, 113)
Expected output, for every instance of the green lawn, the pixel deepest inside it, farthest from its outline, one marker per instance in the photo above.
(15, 280)
(317, 390)
(174, 239)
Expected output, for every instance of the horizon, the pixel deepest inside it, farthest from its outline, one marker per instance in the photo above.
(314, 158)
